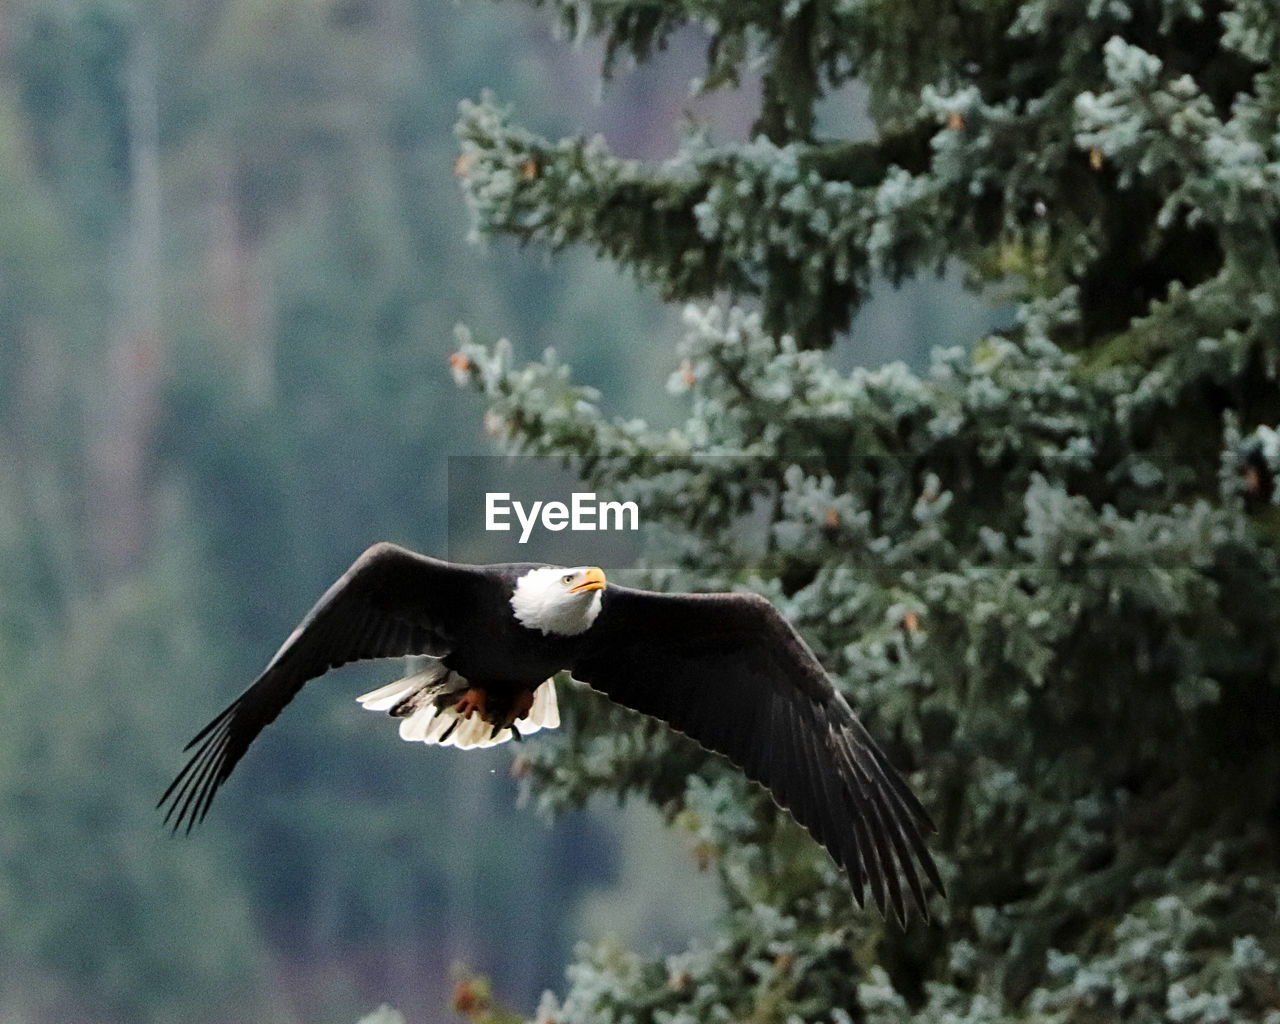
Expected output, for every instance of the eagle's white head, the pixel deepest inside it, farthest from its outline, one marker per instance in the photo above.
(556, 600)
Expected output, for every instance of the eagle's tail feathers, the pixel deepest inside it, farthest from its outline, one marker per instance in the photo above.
(424, 704)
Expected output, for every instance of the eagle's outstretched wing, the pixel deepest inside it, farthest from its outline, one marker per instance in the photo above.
(390, 602)
(729, 671)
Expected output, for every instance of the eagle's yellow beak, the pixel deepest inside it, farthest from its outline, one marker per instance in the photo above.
(592, 579)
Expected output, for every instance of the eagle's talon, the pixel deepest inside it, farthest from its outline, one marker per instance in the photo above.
(471, 701)
(521, 707)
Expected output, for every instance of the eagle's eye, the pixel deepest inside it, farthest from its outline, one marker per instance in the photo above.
(567, 578)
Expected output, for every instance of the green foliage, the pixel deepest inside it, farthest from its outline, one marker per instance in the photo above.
(70, 907)
(1045, 570)
(692, 226)
(71, 69)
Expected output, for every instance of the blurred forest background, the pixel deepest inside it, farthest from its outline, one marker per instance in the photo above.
(232, 253)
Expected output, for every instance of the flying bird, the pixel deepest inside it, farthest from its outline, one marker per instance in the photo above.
(725, 669)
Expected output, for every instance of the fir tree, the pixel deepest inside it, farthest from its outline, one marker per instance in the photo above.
(1045, 570)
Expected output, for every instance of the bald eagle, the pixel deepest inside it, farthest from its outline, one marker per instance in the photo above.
(725, 669)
